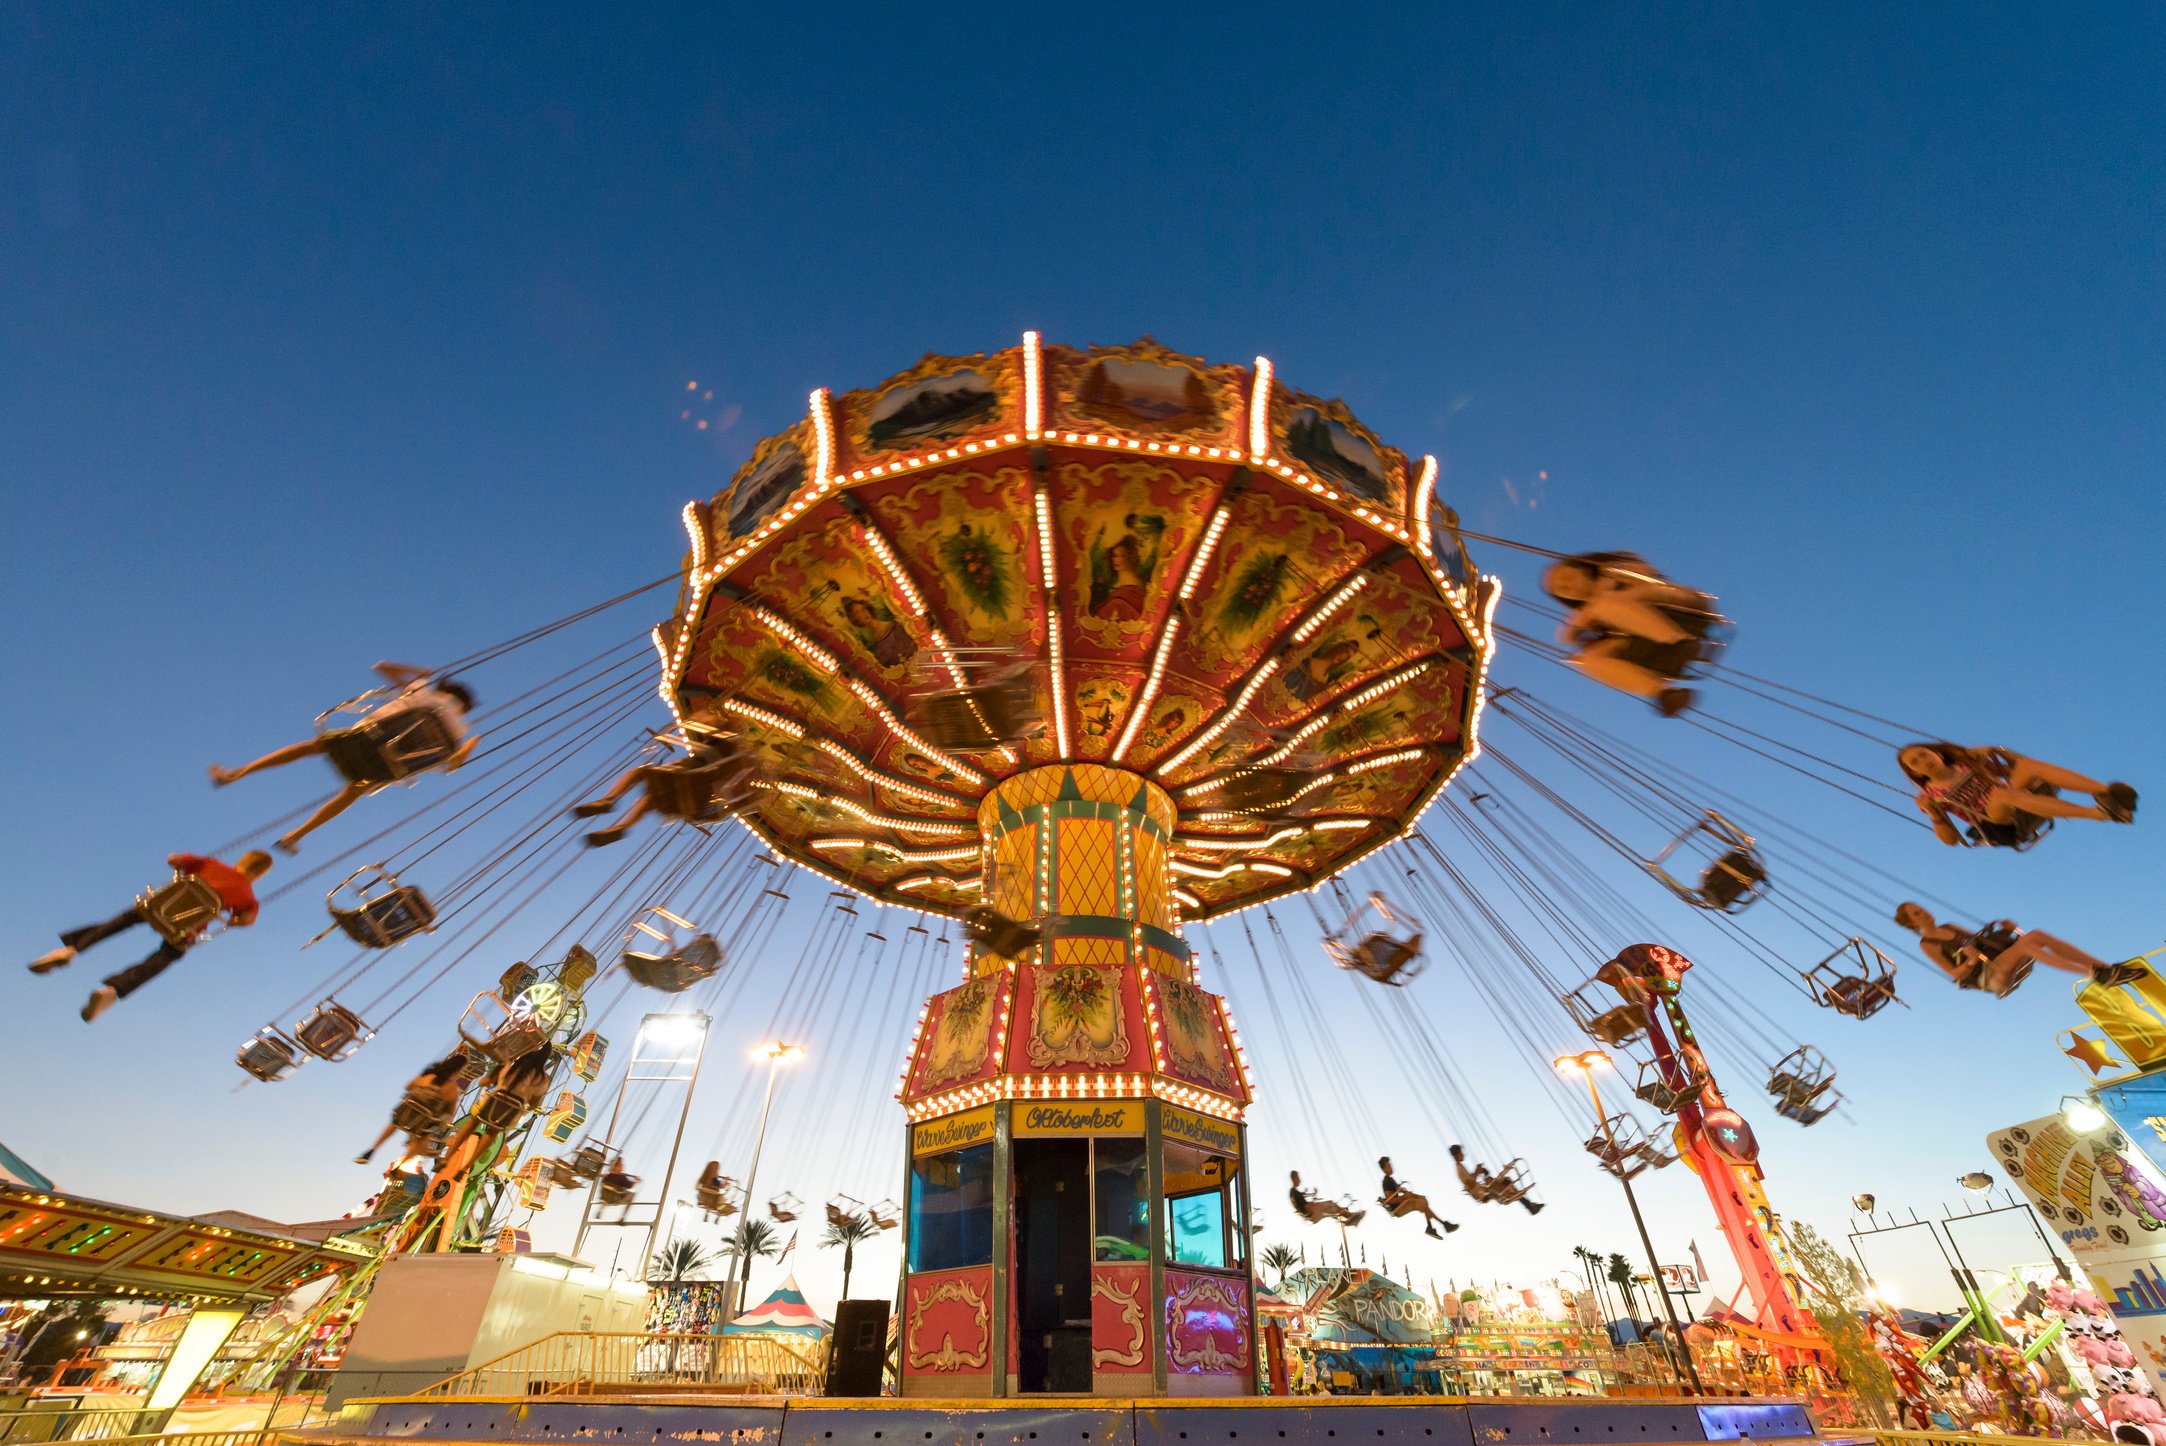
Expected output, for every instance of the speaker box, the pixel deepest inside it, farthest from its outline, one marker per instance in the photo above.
(857, 1353)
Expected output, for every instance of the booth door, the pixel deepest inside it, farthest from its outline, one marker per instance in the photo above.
(1052, 1265)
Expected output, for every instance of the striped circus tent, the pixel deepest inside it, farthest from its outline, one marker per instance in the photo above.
(783, 1313)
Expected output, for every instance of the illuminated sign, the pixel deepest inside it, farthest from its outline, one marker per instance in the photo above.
(953, 1132)
(1220, 1137)
(1110, 1117)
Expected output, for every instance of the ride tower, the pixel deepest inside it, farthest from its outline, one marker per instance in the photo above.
(1720, 1147)
(1075, 646)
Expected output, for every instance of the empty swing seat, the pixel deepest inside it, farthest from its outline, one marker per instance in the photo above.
(1264, 789)
(389, 918)
(975, 720)
(181, 910)
(1855, 979)
(990, 929)
(268, 1055)
(391, 748)
(697, 792)
(333, 1032)
(588, 1161)
(678, 970)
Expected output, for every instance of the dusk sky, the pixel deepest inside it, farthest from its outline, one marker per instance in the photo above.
(352, 333)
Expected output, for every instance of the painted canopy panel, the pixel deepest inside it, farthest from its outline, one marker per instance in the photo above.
(1085, 538)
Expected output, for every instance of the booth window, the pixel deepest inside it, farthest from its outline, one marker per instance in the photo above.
(951, 1209)
(1123, 1200)
(1203, 1209)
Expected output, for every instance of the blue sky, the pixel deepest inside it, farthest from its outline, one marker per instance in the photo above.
(327, 337)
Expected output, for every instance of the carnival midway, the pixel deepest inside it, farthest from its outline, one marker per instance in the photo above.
(1024, 713)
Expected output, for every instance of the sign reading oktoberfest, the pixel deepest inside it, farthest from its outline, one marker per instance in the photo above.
(1116, 1117)
(972, 1127)
(1220, 1137)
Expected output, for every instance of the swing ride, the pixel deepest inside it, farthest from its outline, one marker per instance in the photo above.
(1104, 655)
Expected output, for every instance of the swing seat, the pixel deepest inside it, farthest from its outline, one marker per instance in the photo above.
(588, 1161)
(333, 1032)
(840, 1212)
(885, 1215)
(1263, 790)
(1856, 980)
(392, 749)
(619, 1194)
(501, 1110)
(562, 1176)
(1619, 1025)
(428, 1142)
(1732, 882)
(996, 932)
(1790, 1088)
(182, 911)
(715, 1199)
(268, 1055)
(675, 972)
(1804, 1111)
(1386, 958)
(516, 1036)
(1657, 1090)
(977, 720)
(385, 912)
(697, 792)
(784, 1207)
(418, 1116)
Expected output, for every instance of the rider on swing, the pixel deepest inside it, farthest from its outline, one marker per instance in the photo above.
(234, 884)
(657, 791)
(1491, 1189)
(1630, 627)
(1998, 956)
(1397, 1199)
(419, 691)
(2003, 798)
(1310, 1208)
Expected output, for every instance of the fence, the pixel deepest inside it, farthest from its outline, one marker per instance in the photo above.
(116, 1428)
(588, 1363)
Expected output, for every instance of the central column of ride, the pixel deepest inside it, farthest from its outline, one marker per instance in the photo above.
(1078, 1201)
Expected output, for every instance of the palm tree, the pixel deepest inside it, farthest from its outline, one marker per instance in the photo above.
(847, 1231)
(754, 1240)
(681, 1259)
(1620, 1275)
(1278, 1259)
(1590, 1264)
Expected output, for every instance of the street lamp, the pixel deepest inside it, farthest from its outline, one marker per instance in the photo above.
(1586, 1063)
(777, 1054)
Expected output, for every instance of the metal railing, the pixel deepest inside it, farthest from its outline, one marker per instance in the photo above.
(117, 1428)
(591, 1363)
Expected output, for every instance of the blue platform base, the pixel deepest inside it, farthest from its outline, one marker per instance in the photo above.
(1306, 1421)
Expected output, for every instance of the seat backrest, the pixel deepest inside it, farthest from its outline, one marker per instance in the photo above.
(182, 908)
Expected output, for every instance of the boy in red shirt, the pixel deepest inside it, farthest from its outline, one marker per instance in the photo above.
(235, 886)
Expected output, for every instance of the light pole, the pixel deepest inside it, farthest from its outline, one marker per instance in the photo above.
(776, 1053)
(1586, 1064)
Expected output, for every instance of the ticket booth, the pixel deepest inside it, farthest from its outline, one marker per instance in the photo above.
(1078, 1194)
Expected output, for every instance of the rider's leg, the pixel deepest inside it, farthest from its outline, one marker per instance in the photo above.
(277, 758)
